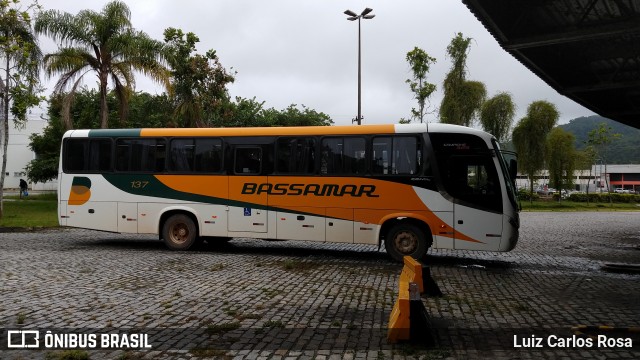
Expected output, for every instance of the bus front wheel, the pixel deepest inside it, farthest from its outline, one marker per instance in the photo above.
(179, 232)
(406, 240)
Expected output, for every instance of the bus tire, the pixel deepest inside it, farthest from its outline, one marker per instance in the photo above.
(406, 240)
(179, 232)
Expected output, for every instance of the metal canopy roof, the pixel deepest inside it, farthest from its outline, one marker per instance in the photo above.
(587, 50)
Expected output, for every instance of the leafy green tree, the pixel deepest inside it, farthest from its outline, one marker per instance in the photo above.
(584, 160)
(561, 158)
(294, 116)
(462, 98)
(104, 43)
(599, 139)
(496, 116)
(149, 111)
(420, 62)
(198, 82)
(46, 146)
(250, 112)
(530, 135)
(20, 59)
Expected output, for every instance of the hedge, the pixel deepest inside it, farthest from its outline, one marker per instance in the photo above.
(604, 198)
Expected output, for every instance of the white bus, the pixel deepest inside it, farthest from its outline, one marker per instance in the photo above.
(410, 186)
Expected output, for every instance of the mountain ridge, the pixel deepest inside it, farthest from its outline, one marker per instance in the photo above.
(623, 150)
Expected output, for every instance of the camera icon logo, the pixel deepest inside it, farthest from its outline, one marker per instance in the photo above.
(23, 339)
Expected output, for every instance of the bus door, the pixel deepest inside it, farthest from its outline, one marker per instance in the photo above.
(247, 208)
(474, 184)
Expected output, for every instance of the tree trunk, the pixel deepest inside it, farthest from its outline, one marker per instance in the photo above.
(531, 189)
(104, 108)
(5, 133)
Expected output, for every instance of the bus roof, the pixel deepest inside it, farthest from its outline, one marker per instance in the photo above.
(278, 131)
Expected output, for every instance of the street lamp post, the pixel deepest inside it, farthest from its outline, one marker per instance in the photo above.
(352, 17)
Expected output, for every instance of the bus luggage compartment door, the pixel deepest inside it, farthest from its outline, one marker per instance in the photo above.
(127, 217)
(247, 219)
(248, 210)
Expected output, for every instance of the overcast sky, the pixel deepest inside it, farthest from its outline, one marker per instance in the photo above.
(305, 52)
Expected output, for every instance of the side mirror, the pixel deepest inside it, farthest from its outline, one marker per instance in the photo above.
(513, 169)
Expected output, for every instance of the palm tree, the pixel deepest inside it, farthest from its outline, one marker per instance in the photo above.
(104, 43)
(20, 60)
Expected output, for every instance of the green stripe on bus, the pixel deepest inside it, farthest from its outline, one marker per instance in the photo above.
(115, 133)
(149, 185)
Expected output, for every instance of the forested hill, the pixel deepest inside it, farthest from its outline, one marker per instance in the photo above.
(623, 150)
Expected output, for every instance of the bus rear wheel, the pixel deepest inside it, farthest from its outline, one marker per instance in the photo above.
(406, 240)
(179, 232)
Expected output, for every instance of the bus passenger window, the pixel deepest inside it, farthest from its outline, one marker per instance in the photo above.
(343, 156)
(181, 155)
(76, 155)
(296, 155)
(87, 155)
(208, 155)
(140, 155)
(396, 155)
(100, 155)
(248, 161)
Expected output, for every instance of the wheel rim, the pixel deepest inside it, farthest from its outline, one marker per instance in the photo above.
(179, 233)
(406, 242)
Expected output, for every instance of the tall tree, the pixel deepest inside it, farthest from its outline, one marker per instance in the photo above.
(529, 137)
(20, 60)
(496, 115)
(599, 140)
(198, 82)
(462, 98)
(102, 42)
(561, 158)
(584, 161)
(420, 62)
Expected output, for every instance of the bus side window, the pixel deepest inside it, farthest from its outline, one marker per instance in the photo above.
(100, 155)
(208, 155)
(248, 161)
(343, 155)
(140, 155)
(396, 155)
(296, 155)
(77, 152)
(181, 158)
(88, 155)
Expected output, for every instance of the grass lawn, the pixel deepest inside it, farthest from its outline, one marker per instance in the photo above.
(33, 211)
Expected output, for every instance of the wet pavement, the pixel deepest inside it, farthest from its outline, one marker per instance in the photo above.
(254, 299)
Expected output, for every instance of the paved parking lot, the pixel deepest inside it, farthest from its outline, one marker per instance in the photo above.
(276, 300)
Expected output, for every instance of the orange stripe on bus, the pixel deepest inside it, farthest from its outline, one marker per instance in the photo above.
(272, 131)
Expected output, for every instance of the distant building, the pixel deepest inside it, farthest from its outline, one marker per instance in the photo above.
(624, 176)
(595, 180)
(19, 155)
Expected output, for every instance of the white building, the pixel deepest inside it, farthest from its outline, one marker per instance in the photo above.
(19, 155)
